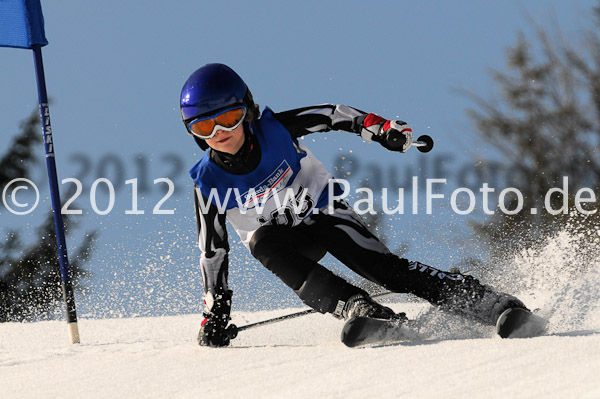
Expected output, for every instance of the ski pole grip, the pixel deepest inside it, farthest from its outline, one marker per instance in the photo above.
(395, 140)
(231, 331)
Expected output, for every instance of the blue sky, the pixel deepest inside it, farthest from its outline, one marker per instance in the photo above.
(114, 71)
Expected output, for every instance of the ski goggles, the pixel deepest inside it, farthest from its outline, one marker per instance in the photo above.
(227, 120)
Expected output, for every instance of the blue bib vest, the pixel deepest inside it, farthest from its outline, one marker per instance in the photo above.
(288, 184)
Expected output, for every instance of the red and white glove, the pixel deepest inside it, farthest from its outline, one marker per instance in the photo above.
(392, 134)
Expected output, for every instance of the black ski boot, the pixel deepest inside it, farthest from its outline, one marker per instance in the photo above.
(482, 302)
(361, 305)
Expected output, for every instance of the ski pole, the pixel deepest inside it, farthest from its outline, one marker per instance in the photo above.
(395, 139)
(232, 330)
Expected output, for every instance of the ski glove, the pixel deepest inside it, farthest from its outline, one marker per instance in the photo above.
(393, 135)
(213, 330)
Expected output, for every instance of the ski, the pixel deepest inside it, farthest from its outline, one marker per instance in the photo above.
(520, 323)
(368, 331)
(361, 331)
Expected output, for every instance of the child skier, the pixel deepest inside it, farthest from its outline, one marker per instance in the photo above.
(254, 161)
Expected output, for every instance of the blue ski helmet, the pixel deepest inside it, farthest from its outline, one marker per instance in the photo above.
(211, 88)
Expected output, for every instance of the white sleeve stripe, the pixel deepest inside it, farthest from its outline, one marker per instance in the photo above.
(317, 128)
(344, 113)
(327, 111)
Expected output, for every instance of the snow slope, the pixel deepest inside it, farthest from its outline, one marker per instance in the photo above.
(157, 357)
(300, 358)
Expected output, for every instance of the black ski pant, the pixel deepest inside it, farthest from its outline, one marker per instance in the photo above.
(292, 253)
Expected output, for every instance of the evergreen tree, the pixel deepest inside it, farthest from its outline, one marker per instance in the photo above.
(30, 277)
(546, 122)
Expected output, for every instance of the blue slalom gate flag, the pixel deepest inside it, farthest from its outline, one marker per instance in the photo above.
(21, 24)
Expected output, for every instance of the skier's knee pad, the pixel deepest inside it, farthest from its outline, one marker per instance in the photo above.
(325, 292)
(276, 248)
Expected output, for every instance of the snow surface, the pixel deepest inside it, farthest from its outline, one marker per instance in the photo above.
(157, 357)
(300, 358)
